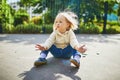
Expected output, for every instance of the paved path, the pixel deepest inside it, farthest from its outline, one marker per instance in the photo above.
(100, 62)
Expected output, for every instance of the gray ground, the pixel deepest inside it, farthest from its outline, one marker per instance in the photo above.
(100, 62)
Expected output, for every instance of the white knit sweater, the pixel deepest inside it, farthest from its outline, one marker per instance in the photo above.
(61, 40)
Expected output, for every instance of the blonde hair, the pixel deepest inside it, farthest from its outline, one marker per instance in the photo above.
(71, 17)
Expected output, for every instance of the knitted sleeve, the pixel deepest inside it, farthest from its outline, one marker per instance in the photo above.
(50, 41)
(73, 39)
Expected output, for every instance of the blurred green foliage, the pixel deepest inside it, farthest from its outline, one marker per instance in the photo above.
(90, 15)
(20, 16)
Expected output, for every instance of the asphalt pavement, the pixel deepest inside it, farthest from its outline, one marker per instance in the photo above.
(100, 62)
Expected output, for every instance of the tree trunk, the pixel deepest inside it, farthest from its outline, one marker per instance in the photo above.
(0, 28)
(105, 17)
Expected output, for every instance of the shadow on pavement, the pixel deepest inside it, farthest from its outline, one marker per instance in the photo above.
(40, 38)
(54, 70)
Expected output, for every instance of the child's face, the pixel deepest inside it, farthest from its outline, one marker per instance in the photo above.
(61, 24)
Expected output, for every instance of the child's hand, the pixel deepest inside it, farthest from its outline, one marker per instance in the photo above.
(39, 47)
(81, 49)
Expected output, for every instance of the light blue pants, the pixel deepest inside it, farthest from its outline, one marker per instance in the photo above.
(67, 52)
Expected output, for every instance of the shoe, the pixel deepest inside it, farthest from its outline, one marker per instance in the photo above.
(75, 62)
(40, 61)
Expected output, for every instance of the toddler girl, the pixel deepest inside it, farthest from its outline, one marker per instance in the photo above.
(62, 42)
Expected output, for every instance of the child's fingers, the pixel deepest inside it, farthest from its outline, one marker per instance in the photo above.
(40, 48)
(84, 50)
(83, 46)
(37, 45)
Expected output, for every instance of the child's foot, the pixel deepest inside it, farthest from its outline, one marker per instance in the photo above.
(75, 62)
(40, 61)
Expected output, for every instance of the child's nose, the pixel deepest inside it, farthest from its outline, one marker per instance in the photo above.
(58, 24)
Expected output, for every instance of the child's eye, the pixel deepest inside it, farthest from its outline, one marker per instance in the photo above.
(60, 21)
